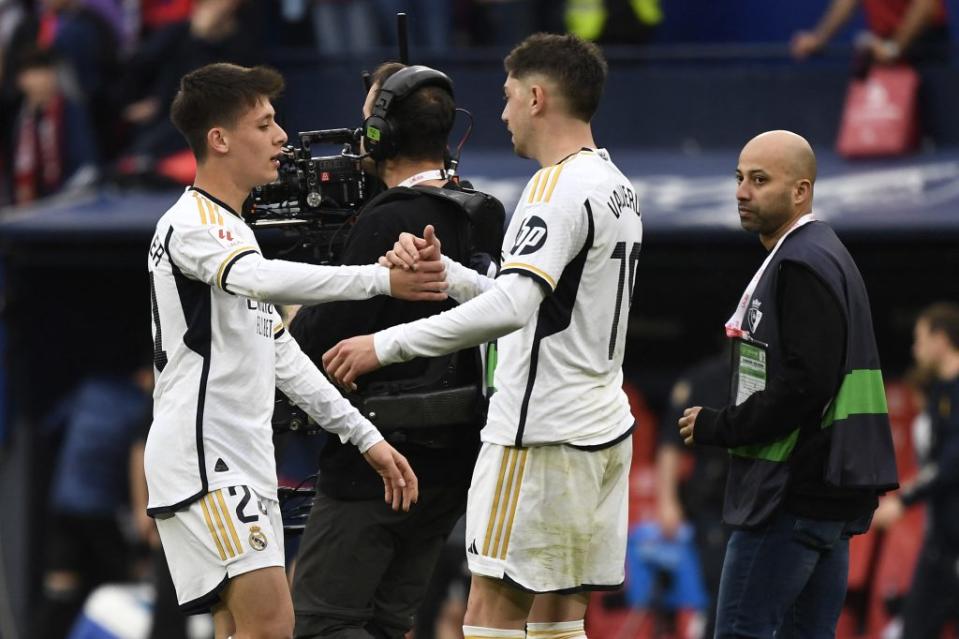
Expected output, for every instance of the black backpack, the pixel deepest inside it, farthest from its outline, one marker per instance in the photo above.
(486, 215)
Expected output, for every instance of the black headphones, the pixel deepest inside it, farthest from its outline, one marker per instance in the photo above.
(379, 134)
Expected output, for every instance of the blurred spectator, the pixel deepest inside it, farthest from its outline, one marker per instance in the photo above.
(51, 143)
(85, 544)
(613, 21)
(697, 496)
(85, 42)
(12, 15)
(87, 46)
(114, 14)
(933, 598)
(912, 30)
(213, 33)
(156, 14)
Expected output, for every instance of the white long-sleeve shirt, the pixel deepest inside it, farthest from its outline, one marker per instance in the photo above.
(559, 307)
(220, 350)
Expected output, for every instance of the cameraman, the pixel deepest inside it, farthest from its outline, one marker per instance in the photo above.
(363, 569)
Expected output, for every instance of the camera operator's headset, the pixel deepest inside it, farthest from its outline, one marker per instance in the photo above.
(379, 133)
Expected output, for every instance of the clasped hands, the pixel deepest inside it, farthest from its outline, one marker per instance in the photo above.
(416, 273)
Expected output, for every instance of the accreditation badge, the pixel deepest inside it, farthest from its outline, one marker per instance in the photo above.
(749, 368)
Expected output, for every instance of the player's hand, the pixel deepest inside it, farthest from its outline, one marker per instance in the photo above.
(804, 44)
(687, 424)
(349, 359)
(401, 488)
(410, 251)
(884, 51)
(890, 511)
(425, 283)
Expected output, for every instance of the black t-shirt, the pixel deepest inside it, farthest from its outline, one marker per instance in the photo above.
(343, 472)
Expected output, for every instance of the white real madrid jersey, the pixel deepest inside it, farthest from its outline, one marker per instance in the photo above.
(219, 355)
(576, 231)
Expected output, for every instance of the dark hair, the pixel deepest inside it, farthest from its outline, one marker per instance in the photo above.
(36, 58)
(218, 94)
(576, 66)
(943, 316)
(422, 121)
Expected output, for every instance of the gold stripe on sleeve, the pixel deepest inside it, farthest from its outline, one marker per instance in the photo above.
(553, 181)
(219, 273)
(496, 498)
(532, 189)
(515, 500)
(229, 521)
(531, 269)
(277, 327)
(548, 173)
(220, 527)
(209, 524)
(200, 207)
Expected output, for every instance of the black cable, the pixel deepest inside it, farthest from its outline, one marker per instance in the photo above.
(455, 160)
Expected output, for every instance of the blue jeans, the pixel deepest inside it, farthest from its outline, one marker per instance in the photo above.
(785, 580)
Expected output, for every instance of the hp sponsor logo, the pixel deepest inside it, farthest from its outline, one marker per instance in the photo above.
(531, 236)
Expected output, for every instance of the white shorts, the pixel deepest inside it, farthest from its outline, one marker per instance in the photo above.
(550, 518)
(225, 533)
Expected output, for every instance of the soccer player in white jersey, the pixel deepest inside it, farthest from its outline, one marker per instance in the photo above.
(220, 350)
(547, 511)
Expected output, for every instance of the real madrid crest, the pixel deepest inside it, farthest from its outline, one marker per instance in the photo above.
(257, 538)
(754, 315)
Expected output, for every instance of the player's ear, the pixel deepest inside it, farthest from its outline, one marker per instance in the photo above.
(537, 101)
(217, 140)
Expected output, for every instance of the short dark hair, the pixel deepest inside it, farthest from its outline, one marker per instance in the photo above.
(575, 65)
(422, 121)
(33, 57)
(218, 94)
(944, 317)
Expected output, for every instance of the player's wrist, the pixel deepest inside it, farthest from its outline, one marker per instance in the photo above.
(891, 49)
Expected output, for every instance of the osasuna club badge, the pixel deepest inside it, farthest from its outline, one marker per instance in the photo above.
(257, 538)
(754, 315)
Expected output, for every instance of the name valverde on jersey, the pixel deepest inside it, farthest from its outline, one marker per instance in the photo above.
(577, 231)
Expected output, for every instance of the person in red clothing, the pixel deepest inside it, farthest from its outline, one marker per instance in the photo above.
(913, 30)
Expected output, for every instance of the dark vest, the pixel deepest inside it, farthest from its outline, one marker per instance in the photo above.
(861, 451)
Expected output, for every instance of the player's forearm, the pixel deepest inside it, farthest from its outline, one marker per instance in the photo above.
(302, 382)
(285, 282)
(667, 473)
(464, 282)
(917, 19)
(504, 308)
(836, 16)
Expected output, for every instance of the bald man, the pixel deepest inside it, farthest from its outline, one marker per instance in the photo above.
(806, 426)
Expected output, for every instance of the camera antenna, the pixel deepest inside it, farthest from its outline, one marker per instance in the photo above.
(402, 36)
(455, 159)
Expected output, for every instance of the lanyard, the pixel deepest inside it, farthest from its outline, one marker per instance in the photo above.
(434, 174)
(735, 323)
